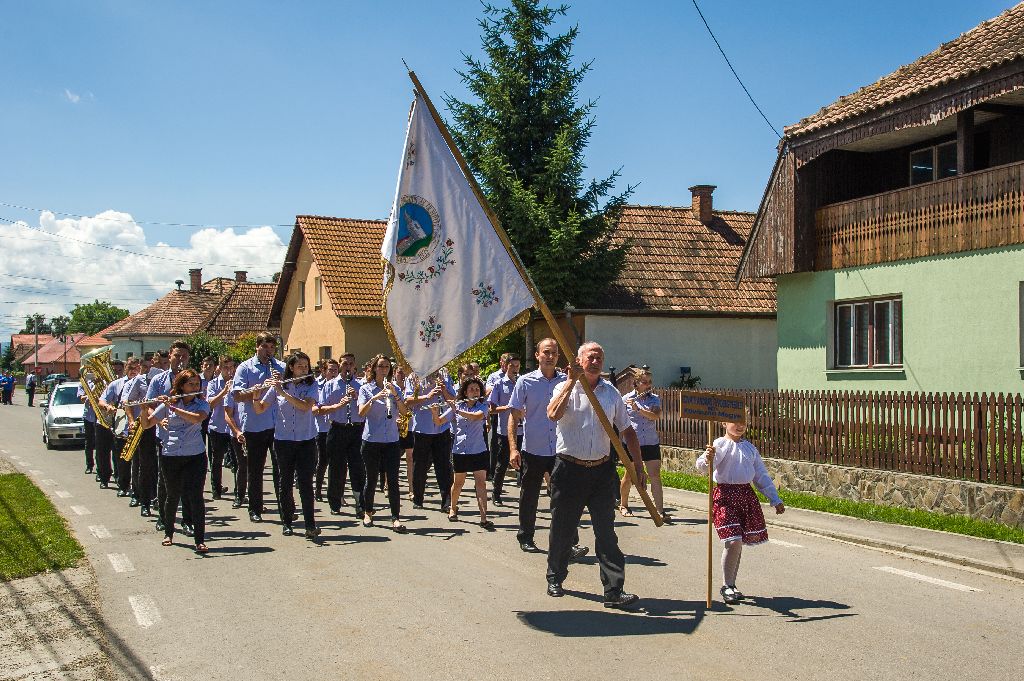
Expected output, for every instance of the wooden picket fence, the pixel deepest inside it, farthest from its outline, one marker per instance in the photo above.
(966, 437)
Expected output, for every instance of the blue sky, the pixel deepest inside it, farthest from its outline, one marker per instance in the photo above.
(248, 113)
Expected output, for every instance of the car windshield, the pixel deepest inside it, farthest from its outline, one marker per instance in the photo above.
(63, 396)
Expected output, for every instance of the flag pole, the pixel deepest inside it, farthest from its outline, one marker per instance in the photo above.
(538, 301)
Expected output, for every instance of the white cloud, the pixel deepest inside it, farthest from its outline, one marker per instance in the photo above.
(72, 97)
(34, 264)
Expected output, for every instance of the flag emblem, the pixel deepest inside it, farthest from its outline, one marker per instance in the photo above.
(418, 225)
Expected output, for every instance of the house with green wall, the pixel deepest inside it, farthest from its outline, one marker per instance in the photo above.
(893, 226)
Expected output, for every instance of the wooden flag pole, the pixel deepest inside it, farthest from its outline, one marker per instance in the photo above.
(539, 303)
(711, 507)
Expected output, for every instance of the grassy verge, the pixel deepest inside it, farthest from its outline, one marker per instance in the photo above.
(34, 536)
(858, 509)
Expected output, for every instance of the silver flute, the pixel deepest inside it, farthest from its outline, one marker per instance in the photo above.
(267, 384)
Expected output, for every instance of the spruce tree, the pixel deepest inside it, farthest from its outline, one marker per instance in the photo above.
(524, 138)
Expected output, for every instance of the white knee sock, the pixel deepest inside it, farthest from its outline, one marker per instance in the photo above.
(731, 561)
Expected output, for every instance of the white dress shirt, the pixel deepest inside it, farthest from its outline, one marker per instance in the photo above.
(739, 463)
(579, 432)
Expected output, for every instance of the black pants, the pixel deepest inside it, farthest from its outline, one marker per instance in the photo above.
(492, 444)
(436, 450)
(90, 444)
(104, 451)
(125, 469)
(31, 392)
(322, 460)
(386, 456)
(145, 490)
(241, 470)
(186, 500)
(217, 445)
(344, 452)
(502, 462)
(257, 444)
(296, 461)
(183, 478)
(573, 488)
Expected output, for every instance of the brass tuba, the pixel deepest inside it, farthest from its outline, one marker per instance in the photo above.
(96, 373)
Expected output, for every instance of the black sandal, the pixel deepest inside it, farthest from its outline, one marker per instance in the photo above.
(487, 525)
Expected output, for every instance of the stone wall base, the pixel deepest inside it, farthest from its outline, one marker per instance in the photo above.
(921, 492)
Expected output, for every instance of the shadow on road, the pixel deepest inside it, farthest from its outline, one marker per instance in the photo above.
(236, 534)
(591, 623)
(444, 533)
(787, 606)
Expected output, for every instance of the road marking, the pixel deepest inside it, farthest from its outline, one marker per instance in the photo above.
(145, 610)
(120, 562)
(925, 578)
(35, 472)
(63, 494)
(13, 456)
(785, 543)
(99, 531)
(50, 482)
(81, 510)
(4, 451)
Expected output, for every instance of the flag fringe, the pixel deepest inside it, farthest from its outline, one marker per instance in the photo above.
(389, 271)
(514, 324)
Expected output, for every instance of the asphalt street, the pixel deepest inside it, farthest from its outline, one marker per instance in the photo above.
(452, 601)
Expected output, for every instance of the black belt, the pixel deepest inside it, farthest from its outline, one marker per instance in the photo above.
(586, 463)
(354, 424)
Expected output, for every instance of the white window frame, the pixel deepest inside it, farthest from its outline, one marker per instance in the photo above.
(895, 335)
(302, 295)
(318, 296)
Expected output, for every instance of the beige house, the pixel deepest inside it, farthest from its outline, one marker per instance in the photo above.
(328, 299)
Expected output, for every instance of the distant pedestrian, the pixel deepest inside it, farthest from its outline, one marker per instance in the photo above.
(7, 383)
(30, 387)
(737, 512)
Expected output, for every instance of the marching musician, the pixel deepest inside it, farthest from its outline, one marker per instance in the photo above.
(89, 425)
(432, 443)
(338, 401)
(233, 421)
(410, 385)
(379, 403)
(207, 371)
(291, 400)
(323, 425)
(469, 453)
(105, 440)
(644, 409)
(135, 389)
(492, 437)
(501, 392)
(258, 428)
(219, 438)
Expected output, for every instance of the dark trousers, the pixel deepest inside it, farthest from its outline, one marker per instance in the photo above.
(533, 467)
(217, 446)
(104, 452)
(378, 456)
(145, 490)
(125, 469)
(31, 392)
(257, 444)
(322, 459)
(90, 444)
(436, 450)
(492, 444)
(573, 488)
(183, 478)
(344, 452)
(241, 470)
(161, 491)
(501, 463)
(296, 461)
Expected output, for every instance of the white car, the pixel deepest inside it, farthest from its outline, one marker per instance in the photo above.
(63, 417)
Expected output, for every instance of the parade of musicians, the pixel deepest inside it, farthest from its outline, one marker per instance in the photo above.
(532, 421)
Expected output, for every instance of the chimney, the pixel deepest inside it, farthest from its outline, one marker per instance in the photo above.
(701, 201)
(195, 280)
(240, 276)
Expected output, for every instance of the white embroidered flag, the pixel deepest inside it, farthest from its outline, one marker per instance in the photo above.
(448, 280)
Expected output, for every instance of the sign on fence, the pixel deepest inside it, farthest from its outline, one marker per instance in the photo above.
(712, 407)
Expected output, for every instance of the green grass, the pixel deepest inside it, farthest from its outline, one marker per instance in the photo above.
(33, 536)
(859, 509)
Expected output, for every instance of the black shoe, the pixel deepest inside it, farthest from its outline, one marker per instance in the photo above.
(335, 511)
(498, 502)
(555, 590)
(146, 512)
(256, 517)
(312, 532)
(318, 497)
(98, 478)
(528, 547)
(88, 471)
(620, 600)
(287, 530)
(223, 490)
(417, 506)
(729, 595)
(159, 525)
(188, 530)
(133, 503)
(216, 496)
(121, 494)
(237, 503)
(295, 516)
(577, 552)
(104, 485)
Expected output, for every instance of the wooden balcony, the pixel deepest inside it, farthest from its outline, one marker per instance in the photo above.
(983, 209)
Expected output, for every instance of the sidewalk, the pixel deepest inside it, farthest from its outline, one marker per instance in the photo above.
(987, 555)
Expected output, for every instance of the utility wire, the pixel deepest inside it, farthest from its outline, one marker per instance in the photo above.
(729, 63)
(138, 222)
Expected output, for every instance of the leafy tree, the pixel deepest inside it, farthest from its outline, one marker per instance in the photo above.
(36, 323)
(524, 139)
(95, 316)
(7, 362)
(201, 345)
(59, 325)
(243, 348)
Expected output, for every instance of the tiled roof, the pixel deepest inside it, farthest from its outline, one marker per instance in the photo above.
(245, 309)
(988, 45)
(178, 313)
(95, 341)
(55, 349)
(25, 343)
(678, 264)
(347, 252)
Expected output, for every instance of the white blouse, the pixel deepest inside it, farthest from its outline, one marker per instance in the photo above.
(739, 463)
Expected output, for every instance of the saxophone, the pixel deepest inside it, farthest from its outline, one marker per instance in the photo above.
(133, 440)
(404, 420)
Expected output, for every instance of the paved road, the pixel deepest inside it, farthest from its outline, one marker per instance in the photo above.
(452, 601)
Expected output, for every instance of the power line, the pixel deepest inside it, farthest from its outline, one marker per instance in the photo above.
(138, 222)
(729, 63)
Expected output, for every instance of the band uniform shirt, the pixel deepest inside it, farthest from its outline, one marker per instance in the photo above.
(334, 391)
(161, 384)
(580, 433)
(379, 428)
(645, 428)
(500, 395)
(290, 422)
(134, 389)
(90, 415)
(323, 421)
(218, 424)
(183, 438)
(112, 393)
(739, 463)
(492, 380)
(531, 396)
(153, 373)
(249, 374)
(422, 420)
(469, 433)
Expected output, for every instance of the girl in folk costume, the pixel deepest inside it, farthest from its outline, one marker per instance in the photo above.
(183, 457)
(469, 453)
(294, 438)
(644, 409)
(737, 513)
(380, 403)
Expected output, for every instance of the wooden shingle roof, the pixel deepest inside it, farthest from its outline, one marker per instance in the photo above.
(677, 264)
(992, 43)
(245, 309)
